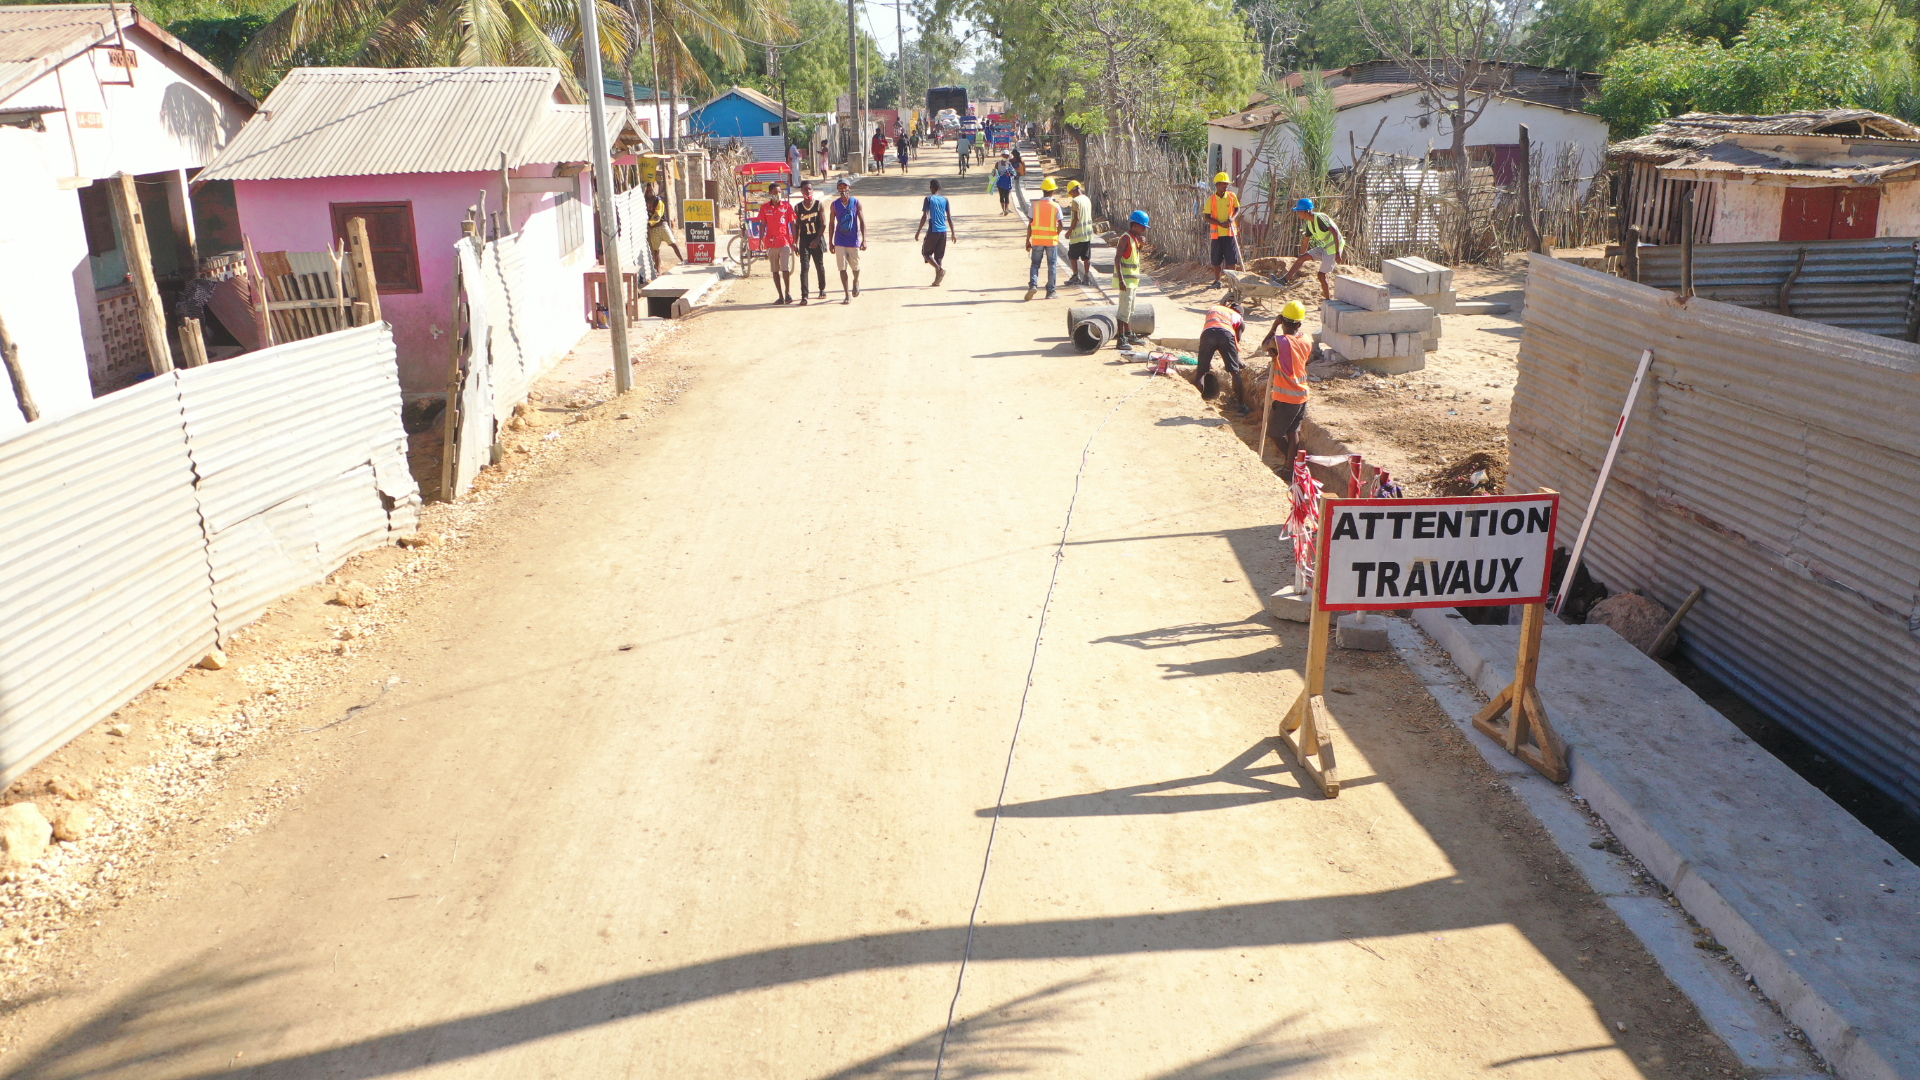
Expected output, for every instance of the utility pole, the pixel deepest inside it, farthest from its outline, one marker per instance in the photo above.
(900, 61)
(603, 199)
(857, 160)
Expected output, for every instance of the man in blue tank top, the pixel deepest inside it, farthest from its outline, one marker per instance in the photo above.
(848, 239)
(936, 217)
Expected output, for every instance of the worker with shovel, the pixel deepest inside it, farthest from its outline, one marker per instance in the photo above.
(1222, 215)
(1291, 349)
(1323, 244)
(1221, 334)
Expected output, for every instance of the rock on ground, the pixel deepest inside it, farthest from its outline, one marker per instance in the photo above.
(24, 836)
(1633, 617)
(354, 594)
(72, 821)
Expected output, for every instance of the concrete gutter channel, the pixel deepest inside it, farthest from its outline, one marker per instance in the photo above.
(1823, 915)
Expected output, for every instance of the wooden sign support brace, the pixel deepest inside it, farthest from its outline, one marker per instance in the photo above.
(1308, 724)
(1525, 713)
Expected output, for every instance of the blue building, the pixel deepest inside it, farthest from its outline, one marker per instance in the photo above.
(746, 114)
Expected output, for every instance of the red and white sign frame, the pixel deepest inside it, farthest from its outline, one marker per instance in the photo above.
(1456, 554)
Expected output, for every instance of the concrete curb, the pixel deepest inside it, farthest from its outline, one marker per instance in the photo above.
(1739, 895)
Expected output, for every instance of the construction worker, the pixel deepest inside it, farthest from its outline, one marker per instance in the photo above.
(1079, 235)
(1291, 349)
(1126, 274)
(1221, 334)
(1221, 213)
(1043, 240)
(1323, 242)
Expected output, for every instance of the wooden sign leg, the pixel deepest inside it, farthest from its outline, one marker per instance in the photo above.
(1307, 724)
(1526, 715)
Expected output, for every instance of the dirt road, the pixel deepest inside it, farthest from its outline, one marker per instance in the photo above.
(690, 769)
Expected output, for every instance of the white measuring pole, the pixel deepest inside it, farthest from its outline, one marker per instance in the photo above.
(1600, 483)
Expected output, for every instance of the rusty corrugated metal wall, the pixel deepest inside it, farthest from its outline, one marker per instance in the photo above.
(1774, 461)
(136, 533)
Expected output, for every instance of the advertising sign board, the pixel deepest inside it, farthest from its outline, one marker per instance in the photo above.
(699, 215)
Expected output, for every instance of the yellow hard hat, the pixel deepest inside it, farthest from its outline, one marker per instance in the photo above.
(1047, 184)
(1222, 178)
(1071, 184)
(1293, 312)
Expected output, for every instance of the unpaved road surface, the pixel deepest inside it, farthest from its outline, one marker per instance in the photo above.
(689, 768)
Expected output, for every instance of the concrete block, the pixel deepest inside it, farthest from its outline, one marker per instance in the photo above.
(1346, 345)
(1479, 307)
(1441, 302)
(1411, 275)
(1291, 604)
(1370, 346)
(1363, 631)
(1394, 365)
(1402, 316)
(1361, 294)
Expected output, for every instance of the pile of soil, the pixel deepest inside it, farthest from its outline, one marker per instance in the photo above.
(1456, 477)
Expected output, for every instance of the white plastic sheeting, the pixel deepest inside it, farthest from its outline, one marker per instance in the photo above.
(138, 532)
(1773, 460)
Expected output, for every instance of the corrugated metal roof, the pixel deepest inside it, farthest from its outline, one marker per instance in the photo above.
(1799, 159)
(374, 122)
(103, 567)
(36, 37)
(561, 134)
(1774, 461)
(1344, 97)
(1690, 132)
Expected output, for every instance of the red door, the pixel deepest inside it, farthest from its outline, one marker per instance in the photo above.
(1830, 213)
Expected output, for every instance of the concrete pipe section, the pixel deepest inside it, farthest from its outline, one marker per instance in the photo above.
(1092, 327)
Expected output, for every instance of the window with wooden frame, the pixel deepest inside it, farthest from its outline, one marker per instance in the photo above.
(396, 255)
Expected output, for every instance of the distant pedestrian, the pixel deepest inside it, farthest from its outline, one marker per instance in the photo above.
(776, 237)
(1043, 241)
(659, 228)
(810, 239)
(936, 217)
(900, 151)
(848, 238)
(1222, 213)
(879, 152)
(1126, 274)
(1003, 183)
(1019, 163)
(1291, 350)
(1220, 335)
(1079, 235)
(1323, 244)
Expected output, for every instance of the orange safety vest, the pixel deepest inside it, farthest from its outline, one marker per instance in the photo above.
(1224, 318)
(1045, 230)
(1221, 208)
(1290, 368)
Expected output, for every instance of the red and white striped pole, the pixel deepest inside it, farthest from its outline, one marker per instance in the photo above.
(1600, 482)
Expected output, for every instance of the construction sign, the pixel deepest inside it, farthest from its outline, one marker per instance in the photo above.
(1467, 551)
(698, 215)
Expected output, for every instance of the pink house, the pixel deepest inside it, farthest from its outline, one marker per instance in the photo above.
(410, 150)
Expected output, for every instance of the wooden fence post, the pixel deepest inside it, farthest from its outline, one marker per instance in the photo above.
(1630, 254)
(364, 283)
(16, 374)
(129, 224)
(1534, 242)
(193, 347)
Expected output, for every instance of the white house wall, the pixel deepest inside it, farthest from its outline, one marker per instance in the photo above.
(1900, 210)
(1747, 213)
(1392, 126)
(168, 119)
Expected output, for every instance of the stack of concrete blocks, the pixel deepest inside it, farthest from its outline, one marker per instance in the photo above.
(1366, 323)
(1428, 282)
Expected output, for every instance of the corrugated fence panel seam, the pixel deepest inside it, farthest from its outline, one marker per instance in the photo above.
(1776, 463)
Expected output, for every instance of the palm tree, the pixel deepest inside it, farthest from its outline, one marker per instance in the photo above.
(432, 33)
(723, 27)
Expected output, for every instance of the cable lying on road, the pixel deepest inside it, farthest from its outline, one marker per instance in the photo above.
(1013, 743)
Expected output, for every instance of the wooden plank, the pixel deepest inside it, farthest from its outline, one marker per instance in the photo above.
(16, 374)
(360, 259)
(129, 226)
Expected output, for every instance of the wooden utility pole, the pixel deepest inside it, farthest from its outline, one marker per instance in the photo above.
(1526, 192)
(17, 375)
(130, 227)
(603, 201)
(360, 254)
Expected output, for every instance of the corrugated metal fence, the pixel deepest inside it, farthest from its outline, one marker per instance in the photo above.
(1774, 461)
(1865, 285)
(136, 533)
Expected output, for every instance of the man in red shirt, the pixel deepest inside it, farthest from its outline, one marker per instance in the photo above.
(776, 233)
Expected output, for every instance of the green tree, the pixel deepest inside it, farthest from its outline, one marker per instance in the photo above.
(1774, 64)
(1585, 34)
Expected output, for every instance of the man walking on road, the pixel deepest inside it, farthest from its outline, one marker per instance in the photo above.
(879, 152)
(1221, 334)
(1079, 235)
(1003, 183)
(1126, 275)
(848, 238)
(810, 239)
(659, 228)
(1323, 244)
(1221, 214)
(936, 217)
(1291, 349)
(1043, 241)
(776, 224)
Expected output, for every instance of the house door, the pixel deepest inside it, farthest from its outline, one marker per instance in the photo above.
(1830, 213)
(1236, 164)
